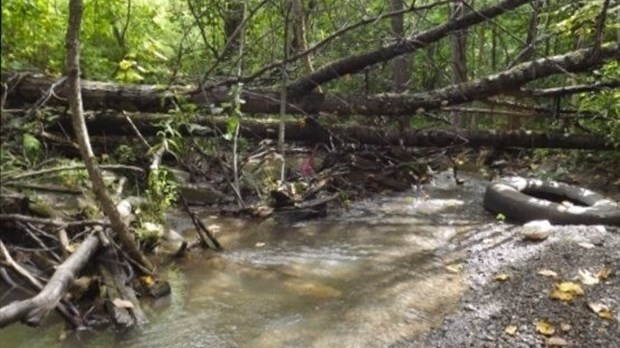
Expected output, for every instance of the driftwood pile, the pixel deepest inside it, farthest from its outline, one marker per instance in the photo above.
(75, 268)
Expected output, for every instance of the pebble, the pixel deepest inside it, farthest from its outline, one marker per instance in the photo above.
(536, 230)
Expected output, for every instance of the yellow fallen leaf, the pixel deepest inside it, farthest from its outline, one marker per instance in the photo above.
(147, 280)
(502, 277)
(566, 291)
(606, 314)
(511, 330)
(455, 268)
(570, 287)
(604, 273)
(544, 327)
(556, 341)
(560, 295)
(548, 273)
(602, 310)
(586, 277)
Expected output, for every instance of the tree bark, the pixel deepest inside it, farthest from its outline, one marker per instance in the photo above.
(400, 65)
(74, 97)
(568, 90)
(459, 57)
(233, 18)
(110, 125)
(298, 25)
(34, 309)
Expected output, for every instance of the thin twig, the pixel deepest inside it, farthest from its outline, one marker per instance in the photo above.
(201, 229)
(54, 222)
(69, 168)
(135, 129)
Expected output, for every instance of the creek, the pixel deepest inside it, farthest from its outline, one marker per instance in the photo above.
(365, 276)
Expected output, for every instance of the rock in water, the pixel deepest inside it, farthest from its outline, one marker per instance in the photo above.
(536, 230)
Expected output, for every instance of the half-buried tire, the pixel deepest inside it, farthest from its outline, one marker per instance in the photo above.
(523, 200)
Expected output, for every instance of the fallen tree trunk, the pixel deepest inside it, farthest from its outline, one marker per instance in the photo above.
(357, 63)
(311, 132)
(568, 90)
(99, 95)
(34, 309)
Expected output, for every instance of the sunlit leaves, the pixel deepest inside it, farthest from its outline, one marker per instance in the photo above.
(511, 330)
(566, 291)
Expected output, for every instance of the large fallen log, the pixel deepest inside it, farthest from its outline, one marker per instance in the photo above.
(99, 95)
(31, 311)
(110, 124)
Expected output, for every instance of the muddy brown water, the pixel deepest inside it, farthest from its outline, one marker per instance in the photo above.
(365, 276)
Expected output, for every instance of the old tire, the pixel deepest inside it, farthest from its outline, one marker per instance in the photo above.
(523, 200)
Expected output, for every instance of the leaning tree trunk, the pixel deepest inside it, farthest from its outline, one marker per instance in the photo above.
(357, 63)
(74, 96)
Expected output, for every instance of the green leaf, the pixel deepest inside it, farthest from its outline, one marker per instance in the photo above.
(231, 128)
(31, 143)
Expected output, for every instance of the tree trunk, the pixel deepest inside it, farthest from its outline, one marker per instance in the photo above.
(298, 24)
(528, 51)
(74, 96)
(459, 57)
(99, 95)
(400, 65)
(111, 125)
(233, 18)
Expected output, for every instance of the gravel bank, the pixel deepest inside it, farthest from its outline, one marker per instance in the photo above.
(491, 305)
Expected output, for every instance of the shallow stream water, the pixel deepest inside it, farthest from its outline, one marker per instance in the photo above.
(365, 276)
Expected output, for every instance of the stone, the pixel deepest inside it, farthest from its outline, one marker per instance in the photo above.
(536, 230)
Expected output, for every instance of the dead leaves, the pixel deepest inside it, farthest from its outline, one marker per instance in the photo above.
(544, 327)
(587, 278)
(566, 291)
(602, 310)
(548, 273)
(502, 277)
(511, 330)
(604, 273)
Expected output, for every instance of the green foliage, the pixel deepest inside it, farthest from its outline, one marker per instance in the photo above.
(125, 154)
(500, 217)
(161, 193)
(605, 103)
(32, 148)
(149, 233)
(33, 35)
